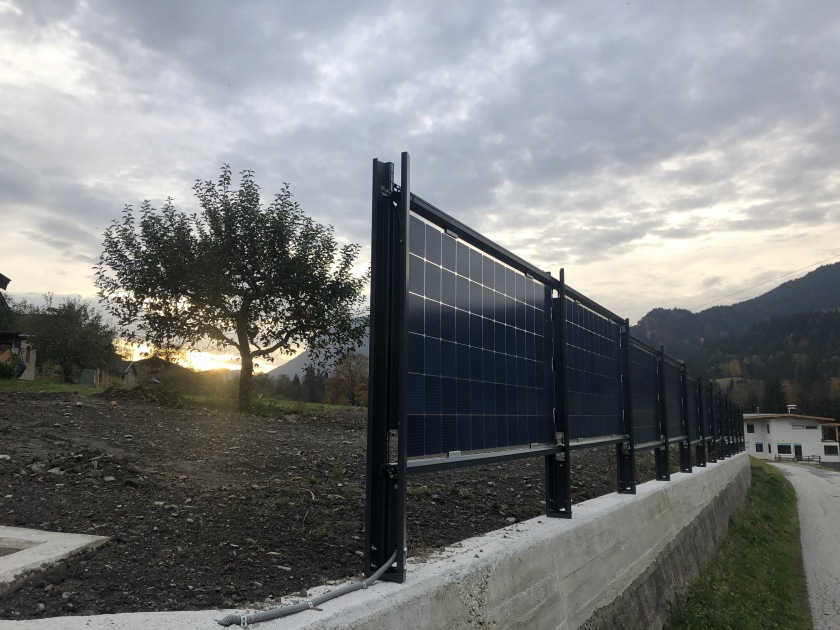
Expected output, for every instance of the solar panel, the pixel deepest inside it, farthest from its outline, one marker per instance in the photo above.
(479, 359)
(707, 412)
(644, 387)
(674, 399)
(692, 404)
(593, 374)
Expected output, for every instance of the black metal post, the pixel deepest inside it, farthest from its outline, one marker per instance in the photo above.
(720, 451)
(625, 453)
(558, 483)
(386, 480)
(662, 454)
(700, 451)
(727, 415)
(685, 444)
(713, 433)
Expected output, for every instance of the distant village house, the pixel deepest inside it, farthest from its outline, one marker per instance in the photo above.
(791, 436)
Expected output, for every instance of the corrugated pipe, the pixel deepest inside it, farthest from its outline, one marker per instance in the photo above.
(267, 615)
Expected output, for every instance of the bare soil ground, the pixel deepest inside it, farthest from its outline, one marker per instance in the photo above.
(210, 510)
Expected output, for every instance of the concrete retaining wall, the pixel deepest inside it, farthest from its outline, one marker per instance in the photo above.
(614, 565)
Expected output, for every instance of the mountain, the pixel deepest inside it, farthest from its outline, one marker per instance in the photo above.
(802, 348)
(290, 368)
(684, 333)
(297, 365)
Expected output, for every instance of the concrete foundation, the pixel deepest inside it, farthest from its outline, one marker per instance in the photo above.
(616, 564)
(28, 551)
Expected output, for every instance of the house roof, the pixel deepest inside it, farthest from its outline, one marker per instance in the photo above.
(4, 281)
(10, 335)
(781, 416)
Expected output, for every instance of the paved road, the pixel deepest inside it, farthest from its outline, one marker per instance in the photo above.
(818, 492)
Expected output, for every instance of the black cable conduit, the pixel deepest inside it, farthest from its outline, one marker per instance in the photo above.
(284, 611)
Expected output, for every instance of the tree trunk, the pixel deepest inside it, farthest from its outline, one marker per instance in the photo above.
(246, 381)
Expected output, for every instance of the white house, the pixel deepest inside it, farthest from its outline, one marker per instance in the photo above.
(791, 435)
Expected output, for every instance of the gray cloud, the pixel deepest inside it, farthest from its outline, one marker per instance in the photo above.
(597, 129)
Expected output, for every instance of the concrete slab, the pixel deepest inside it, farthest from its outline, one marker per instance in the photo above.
(32, 550)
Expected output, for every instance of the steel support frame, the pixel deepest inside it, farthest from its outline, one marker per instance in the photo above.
(701, 452)
(558, 482)
(662, 454)
(712, 441)
(385, 508)
(625, 453)
(388, 466)
(685, 445)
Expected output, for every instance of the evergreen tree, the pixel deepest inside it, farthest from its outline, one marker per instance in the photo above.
(774, 399)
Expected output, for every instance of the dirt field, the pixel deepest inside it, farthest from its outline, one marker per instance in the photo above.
(208, 510)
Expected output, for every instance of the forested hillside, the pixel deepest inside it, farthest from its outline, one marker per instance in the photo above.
(802, 351)
(684, 334)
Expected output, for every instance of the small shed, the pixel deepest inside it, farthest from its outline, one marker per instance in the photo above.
(20, 346)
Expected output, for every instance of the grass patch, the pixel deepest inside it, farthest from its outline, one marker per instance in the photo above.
(756, 578)
(265, 407)
(45, 386)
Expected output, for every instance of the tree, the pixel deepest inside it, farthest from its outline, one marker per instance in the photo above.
(312, 388)
(71, 335)
(259, 279)
(348, 383)
(752, 403)
(774, 399)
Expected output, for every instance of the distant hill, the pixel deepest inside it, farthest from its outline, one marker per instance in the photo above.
(684, 334)
(802, 348)
(297, 365)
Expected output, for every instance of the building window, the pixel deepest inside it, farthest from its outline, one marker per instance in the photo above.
(783, 449)
(831, 450)
(811, 426)
(768, 427)
(750, 428)
(769, 448)
(759, 447)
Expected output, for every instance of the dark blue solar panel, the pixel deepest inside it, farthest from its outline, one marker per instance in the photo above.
(593, 374)
(693, 420)
(714, 415)
(707, 412)
(479, 372)
(644, 386)
(674, 400)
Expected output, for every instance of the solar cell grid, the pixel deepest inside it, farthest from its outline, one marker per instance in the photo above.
(644, 386)
(693, 420)
(674, 399)
(593, 373)
(707, 412)
(478, 373)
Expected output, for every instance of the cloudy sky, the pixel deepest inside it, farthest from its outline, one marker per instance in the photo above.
(664, 154)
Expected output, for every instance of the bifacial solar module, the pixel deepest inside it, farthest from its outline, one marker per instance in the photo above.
(479, 349)
(692, 388)
(674, 400)
(706, 402)
(714, 413)
(644, 386)
(593, 374)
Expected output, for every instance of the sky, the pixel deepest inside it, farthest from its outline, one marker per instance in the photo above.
(663, 154)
